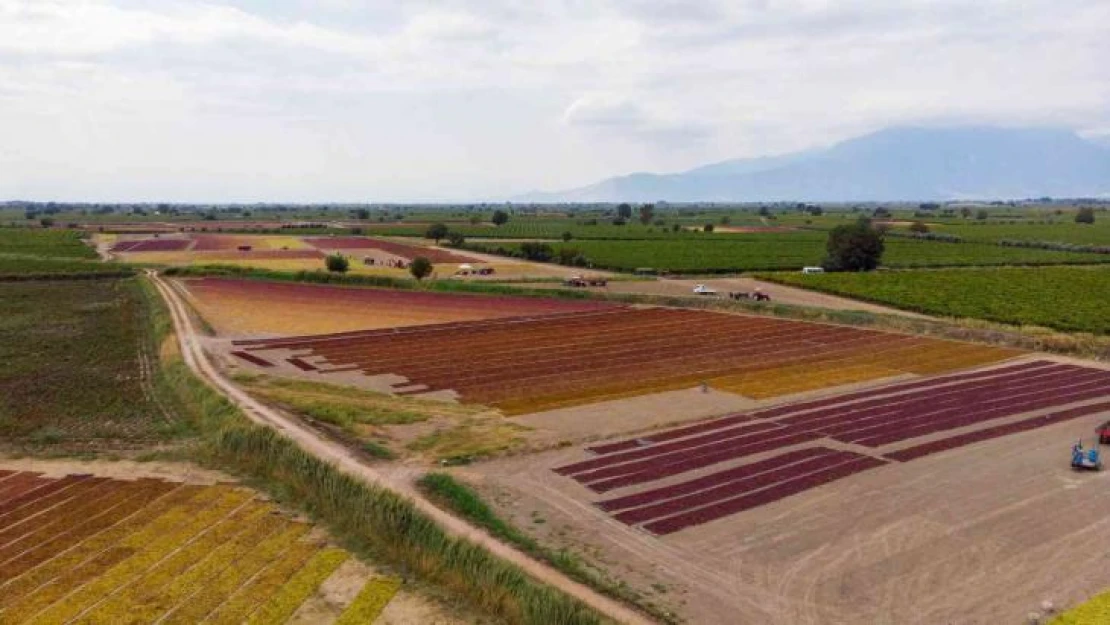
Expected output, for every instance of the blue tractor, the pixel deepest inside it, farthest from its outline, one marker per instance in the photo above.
(1085, 459)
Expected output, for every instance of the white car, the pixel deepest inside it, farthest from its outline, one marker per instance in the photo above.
(701, 289)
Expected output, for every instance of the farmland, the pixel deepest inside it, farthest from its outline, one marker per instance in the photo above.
(753, 252)
(44, 242)
(576, 358)
(873, 419)
(1066, 298)
(245, 307)
(81, 372)
(84, 548)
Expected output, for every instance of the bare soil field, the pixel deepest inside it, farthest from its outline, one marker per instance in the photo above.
(978, 534)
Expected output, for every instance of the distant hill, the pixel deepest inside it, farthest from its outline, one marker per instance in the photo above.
(907, 163)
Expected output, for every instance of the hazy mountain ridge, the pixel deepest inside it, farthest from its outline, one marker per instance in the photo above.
(908, 163)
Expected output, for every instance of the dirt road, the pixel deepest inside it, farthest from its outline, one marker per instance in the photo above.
(399, 482)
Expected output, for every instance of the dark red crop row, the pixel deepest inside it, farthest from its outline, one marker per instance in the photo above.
(923, 426)
(251, 358)
(850, 425)
(682, 463)
(47, 493)
(407, 252)
(760, 497)
(646, 497)
(658, 450)
(1025, 425)
(301, 364)
(839, 400)
(734, 488)
(18, 487)
(152, 245)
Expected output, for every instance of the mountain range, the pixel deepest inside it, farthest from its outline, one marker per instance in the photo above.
(903, 163)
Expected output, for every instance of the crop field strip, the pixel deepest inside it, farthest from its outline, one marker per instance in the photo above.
(873, 418)
(224, 296)
(86, 549)
(574, 359)
(408, 252)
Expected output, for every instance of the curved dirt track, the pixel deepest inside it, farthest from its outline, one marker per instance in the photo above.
(399, 482)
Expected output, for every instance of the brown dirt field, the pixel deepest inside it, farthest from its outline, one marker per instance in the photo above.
(977, 535)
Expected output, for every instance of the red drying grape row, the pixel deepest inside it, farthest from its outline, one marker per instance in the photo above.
(926, 422)
(666, 492)
(932, 396)
(657, 450)
(732, 489)
(590, 313)
(873, 418)
(251, 358)
(152, 245)
(45, 496)
(943, 405)
(760, 497)
(661, 471)
(301, 364)
(1025, 425)
(838, 400)
(17, 487)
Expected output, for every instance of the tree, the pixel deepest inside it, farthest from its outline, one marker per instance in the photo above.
(707, 228)
(816, 211)
(647, 213)
(881, 212)
(534, 250)
(454, 239)
(919, 227)
(726, 220)
(676, 227)
(624, 210)
(436, 231)
(854, 247)
(337, 263)
(420, 267)
(47, 222)
(982, 214)
(567, 236)
(965, 212)
(1086, 215)
(499, 218)
(362, 213)
(764, 211)
(475, 219)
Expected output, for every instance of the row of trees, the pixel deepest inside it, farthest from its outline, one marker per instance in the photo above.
(420, 267)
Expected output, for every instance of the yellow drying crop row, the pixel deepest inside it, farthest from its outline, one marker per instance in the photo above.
(105, 554)
(299, 587)
(371, 600)
(237, 568)
(1094, 611)
(164, 585)
(250, 596)
(147, 547)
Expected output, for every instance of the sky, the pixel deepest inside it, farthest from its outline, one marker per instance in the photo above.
(342, 100)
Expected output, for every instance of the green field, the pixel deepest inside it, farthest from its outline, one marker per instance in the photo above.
(73, 374)
(1065, 298)
(43, 242)
(793, 250)
(1063, 231)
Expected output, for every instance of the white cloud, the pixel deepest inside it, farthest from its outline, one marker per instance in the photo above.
(487, 97)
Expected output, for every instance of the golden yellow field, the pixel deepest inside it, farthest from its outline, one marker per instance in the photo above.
(83, 549)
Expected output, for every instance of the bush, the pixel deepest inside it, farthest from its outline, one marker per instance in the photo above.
(1086, 215)
(454, 239)
(420, 267)
(337, 263)
(534, 250)
(707, 228)
(499, 218)
(919, 227)
(855, 247)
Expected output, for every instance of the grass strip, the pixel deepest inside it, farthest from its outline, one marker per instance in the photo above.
(463, 501)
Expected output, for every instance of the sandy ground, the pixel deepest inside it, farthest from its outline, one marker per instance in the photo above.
(978, 535)
(117, 469)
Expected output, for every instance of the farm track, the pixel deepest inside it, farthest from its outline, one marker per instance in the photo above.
(345, 460)
(871, 418)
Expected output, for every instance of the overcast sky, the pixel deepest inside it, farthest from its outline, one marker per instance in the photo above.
(320, 100)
